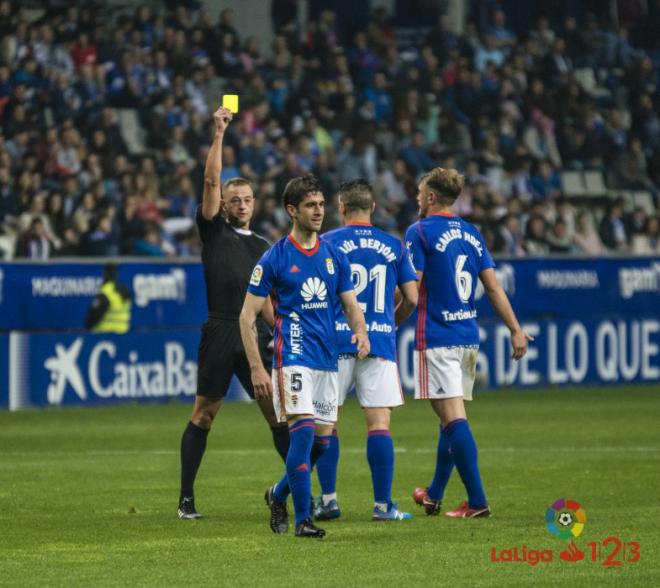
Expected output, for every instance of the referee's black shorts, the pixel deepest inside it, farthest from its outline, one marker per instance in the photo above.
(221, 355)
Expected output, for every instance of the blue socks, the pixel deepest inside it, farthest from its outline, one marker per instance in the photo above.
(464, 454)
(304, 450)
(326, 467)
(380, 455)
(443, 466)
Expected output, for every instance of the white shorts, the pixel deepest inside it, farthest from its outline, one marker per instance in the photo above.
(445, 372)
(376, 380)
(301, 390)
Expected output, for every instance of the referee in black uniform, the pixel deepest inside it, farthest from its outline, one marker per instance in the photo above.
(229, 253)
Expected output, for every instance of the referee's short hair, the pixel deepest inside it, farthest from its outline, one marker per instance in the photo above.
(237, 181)
(357, 195)
(297, 188)
(446, 184)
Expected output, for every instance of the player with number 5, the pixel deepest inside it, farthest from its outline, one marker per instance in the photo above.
(307, 278)
(449, 255)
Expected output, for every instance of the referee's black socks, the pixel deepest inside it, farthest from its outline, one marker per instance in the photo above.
(281, 440)
(193, 444)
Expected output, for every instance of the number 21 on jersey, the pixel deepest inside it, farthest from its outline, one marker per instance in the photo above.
(361, 278)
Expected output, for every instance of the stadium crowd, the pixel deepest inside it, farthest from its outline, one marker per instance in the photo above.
(105, 124)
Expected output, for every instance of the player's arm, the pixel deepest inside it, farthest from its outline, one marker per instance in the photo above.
(212, 197)
(502, 306)
(261, 382)
(355, 320)
(268, 313)
(409, 293)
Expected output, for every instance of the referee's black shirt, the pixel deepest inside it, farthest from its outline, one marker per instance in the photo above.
(229, 256)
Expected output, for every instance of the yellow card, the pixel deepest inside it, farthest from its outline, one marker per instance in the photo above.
(230, 102)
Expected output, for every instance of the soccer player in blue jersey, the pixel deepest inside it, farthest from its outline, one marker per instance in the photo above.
(306, 278)
(379, 264)
(449, 255)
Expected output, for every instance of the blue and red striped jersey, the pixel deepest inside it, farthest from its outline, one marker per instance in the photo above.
(379, 263)
(451, 253)
(304, 285)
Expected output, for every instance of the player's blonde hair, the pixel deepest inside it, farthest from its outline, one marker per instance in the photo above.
(446, 184)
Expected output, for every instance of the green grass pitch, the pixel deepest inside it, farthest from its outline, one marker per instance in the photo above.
(89, 497)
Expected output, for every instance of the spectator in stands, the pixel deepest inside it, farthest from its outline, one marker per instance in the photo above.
(631, 168)
(151, 244)
(539, 138)
(98, 240)
(416, 155)
(307, 103)
(504, 37)
(35, 242)
(545, 183)
(535, 236)
(509, 240)
(613, 229)
(648, 242)
(635, 222)
(229, 164)
(559, 238)
(586, 238)
(488, 53)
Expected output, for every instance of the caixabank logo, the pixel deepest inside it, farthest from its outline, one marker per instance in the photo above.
(566, 519)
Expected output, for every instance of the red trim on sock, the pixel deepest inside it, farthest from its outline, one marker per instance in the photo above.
(301, 425)
(382, 432)
(449, 426)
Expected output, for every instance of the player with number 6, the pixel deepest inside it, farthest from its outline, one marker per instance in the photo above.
(449, 255)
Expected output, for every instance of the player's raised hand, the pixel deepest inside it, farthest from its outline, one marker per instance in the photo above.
(261, 383)
(222, 117)
(519, 341)
(363, 345)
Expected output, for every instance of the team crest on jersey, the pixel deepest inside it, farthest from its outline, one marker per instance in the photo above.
(257, 272)
(330, 265)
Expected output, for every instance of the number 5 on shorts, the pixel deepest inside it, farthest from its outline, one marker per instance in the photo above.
(296, 382)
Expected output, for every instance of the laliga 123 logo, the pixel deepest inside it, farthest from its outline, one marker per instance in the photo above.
(565, 519)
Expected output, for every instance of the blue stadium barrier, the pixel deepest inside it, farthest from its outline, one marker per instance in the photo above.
(56, 296)
(96, 369)
(4, 371)
(594, 322)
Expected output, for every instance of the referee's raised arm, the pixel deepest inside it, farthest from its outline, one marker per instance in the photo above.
(212, 197)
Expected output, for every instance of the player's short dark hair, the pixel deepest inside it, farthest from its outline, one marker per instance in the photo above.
(357, 195)
(297, 188)
(238, 181)
(446, 184)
